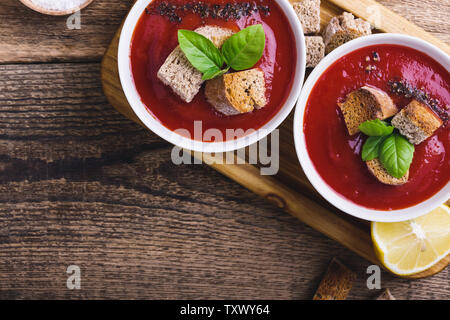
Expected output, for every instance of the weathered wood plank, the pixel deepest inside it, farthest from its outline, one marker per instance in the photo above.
(79, 184)
(107, 198)
(25, 30)
(386, 20)
(47, 108)
(291, 188)
(430, 15)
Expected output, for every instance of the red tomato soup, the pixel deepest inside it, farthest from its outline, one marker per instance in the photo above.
(155, 37)
(337, 156)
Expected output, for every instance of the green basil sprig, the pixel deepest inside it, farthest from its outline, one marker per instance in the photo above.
(396, 155)
(371, 149)
(201, 52)
(241, 51)
(244, 49)
(376, 128)
(394, 151)
(212, 73)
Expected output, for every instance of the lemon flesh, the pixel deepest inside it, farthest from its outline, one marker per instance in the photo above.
(413, 246)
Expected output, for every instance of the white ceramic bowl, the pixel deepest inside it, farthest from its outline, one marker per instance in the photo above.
(154, 125)
(316, 180)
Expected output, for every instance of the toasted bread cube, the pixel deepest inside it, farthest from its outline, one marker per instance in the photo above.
(379, 171)
(178, 73)
(217, 35)
(366, 103)
(315, 51)
(417, 122)
(344, 28)
(308, 12)
(386, 295)
(237, 93)
(337, 282)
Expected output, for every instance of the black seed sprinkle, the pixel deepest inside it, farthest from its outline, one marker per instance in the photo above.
(229, 11)
(376, 56)
(402, 88)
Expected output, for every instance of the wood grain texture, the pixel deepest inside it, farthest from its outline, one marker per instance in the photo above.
(288, 189)
(80, 184)
(352, 233)
(386, 20)
(432, 16)
(30, 4)
(24, 30)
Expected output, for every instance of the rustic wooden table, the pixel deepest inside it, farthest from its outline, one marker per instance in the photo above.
(80, 184)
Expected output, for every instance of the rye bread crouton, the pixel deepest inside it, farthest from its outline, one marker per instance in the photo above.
(344, 28)
(417, 122)
(366, 103)
(315, 51)
(336, 283)
(217, 35)
(376, 168)
(386, 295)
(237, 93)
(178, 73)
(308, 12)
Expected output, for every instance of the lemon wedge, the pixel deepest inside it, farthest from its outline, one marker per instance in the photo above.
(413, 246)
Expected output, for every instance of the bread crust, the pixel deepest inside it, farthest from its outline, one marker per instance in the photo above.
(237, 93)
(337, 282)
(344, 28)
(178, 73)
(376, 168)
(315, 50)
(382, 106)
(417, 122)
(308, 12)
(366, 103)
(217, 35)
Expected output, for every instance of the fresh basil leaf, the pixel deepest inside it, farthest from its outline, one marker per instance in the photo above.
(200, 51)
(376, 128)
(213, 73)
(245, 48)
(396, 155)
(371, 148)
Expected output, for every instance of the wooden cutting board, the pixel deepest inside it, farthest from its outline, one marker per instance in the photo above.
(290, 189)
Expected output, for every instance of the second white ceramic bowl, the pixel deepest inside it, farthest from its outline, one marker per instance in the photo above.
(316, 180)
(126, 78)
